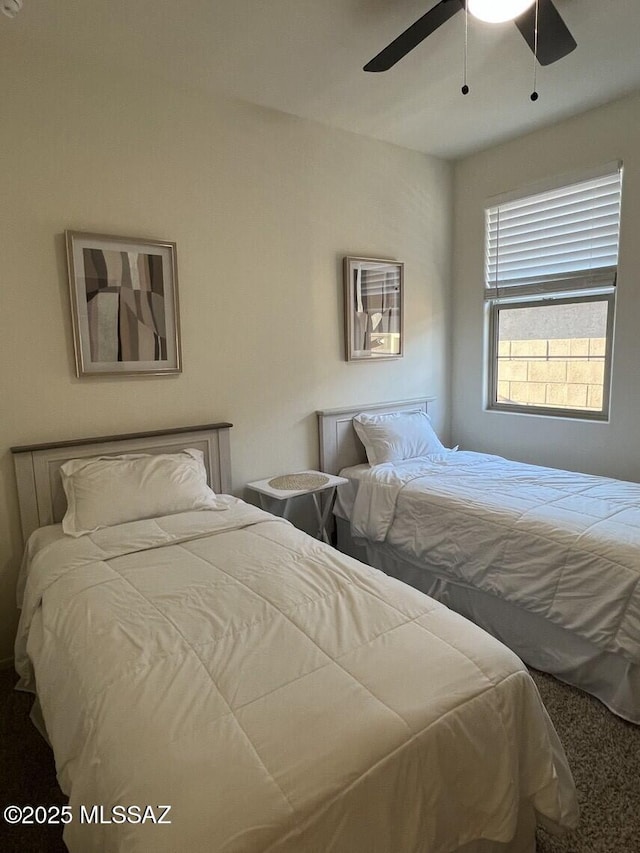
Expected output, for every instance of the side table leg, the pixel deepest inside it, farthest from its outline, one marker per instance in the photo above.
(323, 515)
(267, 504)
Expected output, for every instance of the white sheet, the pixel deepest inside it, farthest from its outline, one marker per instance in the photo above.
(562, 545)
(279, 695)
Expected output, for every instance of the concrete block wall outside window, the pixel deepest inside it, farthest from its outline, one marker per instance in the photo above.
(560, 373)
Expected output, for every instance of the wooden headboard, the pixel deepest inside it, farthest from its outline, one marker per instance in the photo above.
(40, 494)
(339, 444)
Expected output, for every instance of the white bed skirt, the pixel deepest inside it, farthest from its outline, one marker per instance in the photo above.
(524, 841)
(538, 642)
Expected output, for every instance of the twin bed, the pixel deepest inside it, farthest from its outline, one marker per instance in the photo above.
(190, 650)
(548, 561)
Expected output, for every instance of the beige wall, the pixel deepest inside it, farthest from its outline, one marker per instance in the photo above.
(595, 138)
(262, 206)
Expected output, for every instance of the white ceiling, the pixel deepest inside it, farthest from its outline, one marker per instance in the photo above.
(305, 57)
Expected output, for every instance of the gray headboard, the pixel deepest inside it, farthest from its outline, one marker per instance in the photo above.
(339, 444)
(40, 494)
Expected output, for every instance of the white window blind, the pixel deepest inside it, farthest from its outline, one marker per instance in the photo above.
(561, 239)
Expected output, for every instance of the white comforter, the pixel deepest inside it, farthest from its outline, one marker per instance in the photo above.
(277, 694)
(562, 545)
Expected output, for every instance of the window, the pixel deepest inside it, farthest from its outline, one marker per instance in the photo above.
(550, 282)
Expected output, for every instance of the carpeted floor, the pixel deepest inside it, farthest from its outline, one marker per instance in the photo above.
(604, 753)
(27, 773)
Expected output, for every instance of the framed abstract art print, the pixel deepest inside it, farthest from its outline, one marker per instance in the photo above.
(373, 309)
(124, 305)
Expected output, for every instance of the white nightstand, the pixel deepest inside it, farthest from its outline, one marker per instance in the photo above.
(318, 484)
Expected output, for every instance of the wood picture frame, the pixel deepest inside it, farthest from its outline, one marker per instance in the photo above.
(374, 309)
(124, 305)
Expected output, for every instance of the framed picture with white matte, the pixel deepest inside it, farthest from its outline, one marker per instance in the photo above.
(124, 305)
(373, 309)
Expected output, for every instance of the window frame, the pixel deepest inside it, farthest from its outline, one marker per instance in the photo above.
(494, 306)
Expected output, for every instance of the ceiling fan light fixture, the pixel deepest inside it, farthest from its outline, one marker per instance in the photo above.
(498, 11)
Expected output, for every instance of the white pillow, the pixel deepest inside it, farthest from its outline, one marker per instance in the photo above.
(106, 490)
(396, 436)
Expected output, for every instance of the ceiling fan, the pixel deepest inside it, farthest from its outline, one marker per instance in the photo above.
(551, 42)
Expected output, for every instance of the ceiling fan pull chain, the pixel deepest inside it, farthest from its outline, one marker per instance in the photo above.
(534, 94)
(465, 88)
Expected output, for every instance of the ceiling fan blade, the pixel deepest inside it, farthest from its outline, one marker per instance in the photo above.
(416, 33)
(554, 39)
